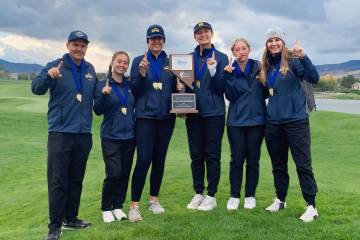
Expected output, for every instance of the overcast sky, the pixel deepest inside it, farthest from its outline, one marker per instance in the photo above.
(34, 31)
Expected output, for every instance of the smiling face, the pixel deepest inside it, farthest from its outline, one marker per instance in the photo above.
(77, 49)
(120, 64)
(275, 45)
(241, 51)
(156, 44)
(203, 36)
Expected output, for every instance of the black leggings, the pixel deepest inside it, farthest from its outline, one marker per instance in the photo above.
(245, 144)
(204, 137)
(152, 140)
(118, 157)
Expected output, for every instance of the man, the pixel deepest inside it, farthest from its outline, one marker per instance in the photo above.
(71, 82)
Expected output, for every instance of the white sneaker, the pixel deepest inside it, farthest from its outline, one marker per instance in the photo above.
(195, 201)
(119, 214)
(108, 216)
(233, 203)
(276, 206)
(156, 208)
(134, 215)
(209, 203)
(310, 214)
(250, 203)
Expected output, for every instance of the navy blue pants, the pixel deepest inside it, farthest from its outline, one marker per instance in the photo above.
(118, 157)
(296, 136)
(152, 141)
(67, 157)
(245, 144)
(204, 137)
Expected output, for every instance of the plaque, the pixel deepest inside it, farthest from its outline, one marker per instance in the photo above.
(182, 65)
(183, 103)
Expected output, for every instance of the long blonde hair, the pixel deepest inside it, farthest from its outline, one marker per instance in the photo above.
(243, 40)
(265, 64)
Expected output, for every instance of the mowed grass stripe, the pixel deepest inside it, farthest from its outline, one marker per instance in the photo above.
(23, 191)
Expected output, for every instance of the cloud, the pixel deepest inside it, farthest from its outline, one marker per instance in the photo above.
(328, 29)
(26, 49)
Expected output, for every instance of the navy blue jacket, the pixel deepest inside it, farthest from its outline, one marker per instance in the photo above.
(66, 113)
(247, 98)
(210, 96)
(150, 102)
(116, 125)
(288, 103)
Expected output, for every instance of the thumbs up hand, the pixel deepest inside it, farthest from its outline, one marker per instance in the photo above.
(298, 50)
(54, 72)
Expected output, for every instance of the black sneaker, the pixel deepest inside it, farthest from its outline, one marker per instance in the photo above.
(54, 234)
(75, 224)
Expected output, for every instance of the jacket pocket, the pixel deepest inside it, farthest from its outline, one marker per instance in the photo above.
(152, 102)
(207, 102)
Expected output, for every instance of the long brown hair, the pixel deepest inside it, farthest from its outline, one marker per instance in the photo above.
(265, 64)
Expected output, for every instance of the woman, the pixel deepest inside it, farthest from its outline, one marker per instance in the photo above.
(205, 129)
(245, 122)
(287, 118)
(152, 86)
(116, 103)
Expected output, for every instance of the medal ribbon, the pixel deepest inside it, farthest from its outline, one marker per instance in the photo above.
(123, 98)
(156, 64)
(271, 78)
(200, 70)
(78, 79)
(239, 72)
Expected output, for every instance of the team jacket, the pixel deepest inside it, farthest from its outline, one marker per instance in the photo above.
(288, 102)
(118, 122)
(150, 101)
(66, 113)
(247, 96)
(210, 92)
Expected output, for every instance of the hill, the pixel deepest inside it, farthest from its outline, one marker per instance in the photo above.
(351, 67)
(20, 67)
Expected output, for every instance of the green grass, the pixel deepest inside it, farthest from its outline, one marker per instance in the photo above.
(23, 188)
(341, 96)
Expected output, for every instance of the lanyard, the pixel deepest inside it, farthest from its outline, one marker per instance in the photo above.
(78, 79)
(123, 98)
(271, 78)
(156, 65)
(239, 72)
(200, 70)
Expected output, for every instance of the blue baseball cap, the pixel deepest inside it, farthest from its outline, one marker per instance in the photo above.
(201, 25)
(78, 35)
(155, 31)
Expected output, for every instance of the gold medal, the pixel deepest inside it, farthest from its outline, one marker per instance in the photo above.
(271, 91)
(79, 97)
(197, 83)
(124, 110)
(155, 85)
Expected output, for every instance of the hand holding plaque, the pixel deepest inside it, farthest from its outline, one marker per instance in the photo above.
(182, 65)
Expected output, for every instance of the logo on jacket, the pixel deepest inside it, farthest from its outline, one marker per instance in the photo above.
(88, 76)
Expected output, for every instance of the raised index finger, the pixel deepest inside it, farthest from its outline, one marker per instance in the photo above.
(145, 55)
(60, 65)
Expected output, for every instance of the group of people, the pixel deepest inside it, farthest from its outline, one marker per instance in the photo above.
(136, 115)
